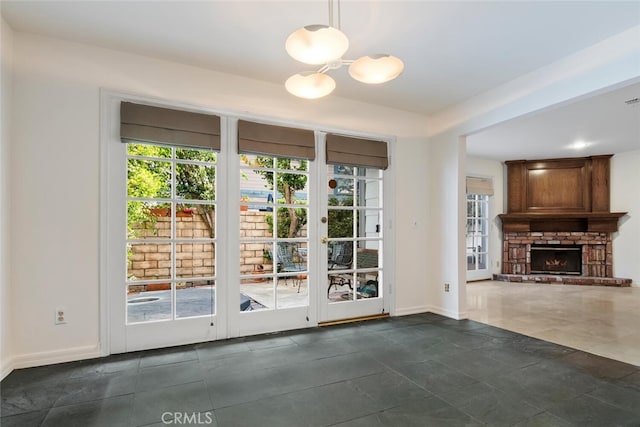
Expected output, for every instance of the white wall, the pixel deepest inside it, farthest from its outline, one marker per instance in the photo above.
(494, 169)
(6, 48)
(625, 197)
(55, 185)
(412, 227)
(447, 218)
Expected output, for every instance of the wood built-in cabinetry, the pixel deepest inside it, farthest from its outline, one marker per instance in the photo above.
(559, 195)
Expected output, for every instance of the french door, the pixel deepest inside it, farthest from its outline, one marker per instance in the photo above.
(203, 244)
(477, 237)
(352, 242)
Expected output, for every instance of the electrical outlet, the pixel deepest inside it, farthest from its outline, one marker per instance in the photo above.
(497, 263)
(60, 316)
(446, 287)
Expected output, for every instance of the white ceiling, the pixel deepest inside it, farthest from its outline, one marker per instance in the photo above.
(603, 123)
(451, 50)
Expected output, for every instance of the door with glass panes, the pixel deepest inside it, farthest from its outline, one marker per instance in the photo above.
(477, 237)
(162, 225)
(352, 228)
(249, 234)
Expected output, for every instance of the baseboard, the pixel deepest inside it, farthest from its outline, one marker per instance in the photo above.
(448, 313)
(411, 310)
(6, 367)
(57, 356)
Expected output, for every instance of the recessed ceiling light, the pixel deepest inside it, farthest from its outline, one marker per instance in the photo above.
(579, 145)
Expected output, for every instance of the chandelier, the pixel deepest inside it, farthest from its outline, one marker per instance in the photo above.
(325, 45)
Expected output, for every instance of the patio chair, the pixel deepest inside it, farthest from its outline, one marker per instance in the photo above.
(341, 259)
(287, 262)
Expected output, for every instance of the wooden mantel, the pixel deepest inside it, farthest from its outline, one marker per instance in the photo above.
(605, 222)
(569, 194)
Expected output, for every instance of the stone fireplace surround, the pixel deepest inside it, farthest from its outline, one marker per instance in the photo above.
(597, 257)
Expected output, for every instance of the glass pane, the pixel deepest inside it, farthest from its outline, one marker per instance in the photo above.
(369, 193)
(340, 287)
(195, 154)
(342, 192)
(256, 161)
(148, 178)
(292, 257)
(195, 259)
(469, 227)
(148, 150)
(340, 255)
(147, 220)
(484, 243)
(340, 223)
(256, 258)
(367, 285)
(287, 164)
(340, 170)
(369, 223)
(471, 259)
(196, 182)
(482, 261)
(292, 291)
(148, 302)
(148, 261)
(484, 227)
(195, 298)
(197, 221)
(256, 189)
(256, 294)
(292, 222)
(292, 188)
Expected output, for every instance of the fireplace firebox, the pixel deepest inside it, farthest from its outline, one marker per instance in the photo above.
(556, 259)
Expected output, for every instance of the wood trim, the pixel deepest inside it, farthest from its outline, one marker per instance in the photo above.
(561, 221)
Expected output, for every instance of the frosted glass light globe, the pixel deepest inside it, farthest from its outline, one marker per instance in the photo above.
(376, 69)
(317, 44)
(310, 85)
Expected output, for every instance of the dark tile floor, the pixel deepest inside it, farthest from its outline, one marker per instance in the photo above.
(419, 370)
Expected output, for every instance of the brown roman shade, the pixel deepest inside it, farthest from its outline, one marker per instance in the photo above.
(145, 123)
(479, 186)
(346, 150)
(279, 141)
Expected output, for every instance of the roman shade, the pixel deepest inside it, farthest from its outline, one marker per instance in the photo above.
(346, 150)
(279, 141)
(144, 123)
(479, 186)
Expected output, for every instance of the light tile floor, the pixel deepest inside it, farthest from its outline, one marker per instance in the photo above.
(596, 319)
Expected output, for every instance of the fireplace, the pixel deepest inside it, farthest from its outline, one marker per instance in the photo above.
(558, 227)
(556, 259)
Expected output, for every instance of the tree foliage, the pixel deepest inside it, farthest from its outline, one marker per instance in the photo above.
(340, 222)
(147, 178)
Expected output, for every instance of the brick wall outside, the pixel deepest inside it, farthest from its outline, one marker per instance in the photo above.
(151, 261)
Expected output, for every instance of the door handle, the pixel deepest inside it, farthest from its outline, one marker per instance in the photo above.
(324, 240)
